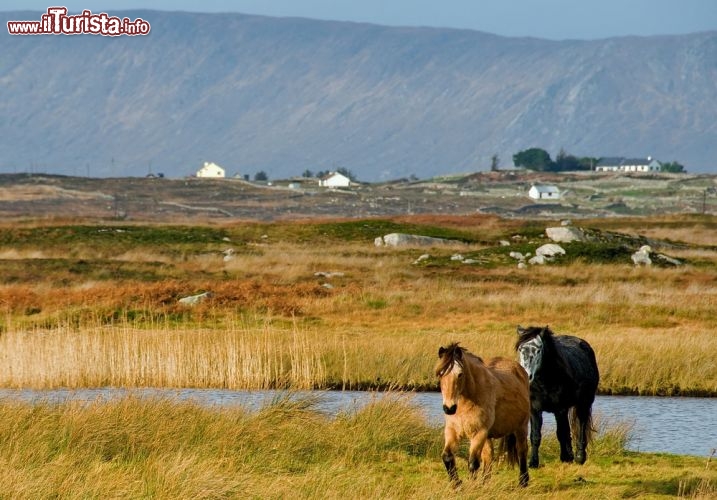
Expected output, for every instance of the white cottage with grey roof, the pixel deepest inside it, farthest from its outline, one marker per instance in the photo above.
(544, 192)
(621, 164)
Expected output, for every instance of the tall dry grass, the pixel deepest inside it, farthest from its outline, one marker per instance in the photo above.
(238, 356)
(162, 449)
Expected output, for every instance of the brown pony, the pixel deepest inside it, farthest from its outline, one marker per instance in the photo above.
(483, 401)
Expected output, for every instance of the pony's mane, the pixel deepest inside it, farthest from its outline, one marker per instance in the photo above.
(453, 354)
(531, 332)
(447, 358)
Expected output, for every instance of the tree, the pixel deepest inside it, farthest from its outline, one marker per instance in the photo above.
(348, 173)
(565, 162)
(494, 162)
(587, 163)
(307, 173)
(261, 176)
(533, 159)
(672, 166)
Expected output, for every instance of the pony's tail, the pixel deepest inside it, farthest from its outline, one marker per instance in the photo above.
(509, 447)
(590, 430)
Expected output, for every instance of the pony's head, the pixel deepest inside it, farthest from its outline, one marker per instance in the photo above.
(449, 371)
(530, 346)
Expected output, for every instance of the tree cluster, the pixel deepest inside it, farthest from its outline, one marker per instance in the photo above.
(539, 160)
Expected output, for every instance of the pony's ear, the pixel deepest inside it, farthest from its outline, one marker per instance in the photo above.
(520, 330)
(441, 351)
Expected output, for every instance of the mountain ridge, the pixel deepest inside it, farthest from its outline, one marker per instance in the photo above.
(285, 95)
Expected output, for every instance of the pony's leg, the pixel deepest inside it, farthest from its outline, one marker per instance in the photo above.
(536, 426)
(521, 443)
(449, 455)
(583, 422)
(486, 457)
(563, 433)
(478, 443)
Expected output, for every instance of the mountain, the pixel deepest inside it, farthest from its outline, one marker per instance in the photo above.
(284, 95)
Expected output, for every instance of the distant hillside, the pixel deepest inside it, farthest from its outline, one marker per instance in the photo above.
(284, 95)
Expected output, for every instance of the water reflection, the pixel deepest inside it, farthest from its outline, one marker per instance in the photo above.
(683, 426)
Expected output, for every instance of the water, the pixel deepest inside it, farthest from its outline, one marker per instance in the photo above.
(682, 426)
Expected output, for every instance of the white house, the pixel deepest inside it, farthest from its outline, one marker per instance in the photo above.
(620, 164)
(544, 192)
(211, 170)
(334, 180)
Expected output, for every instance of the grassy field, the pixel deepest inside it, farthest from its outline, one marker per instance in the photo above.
(316, 304)
(287, 449)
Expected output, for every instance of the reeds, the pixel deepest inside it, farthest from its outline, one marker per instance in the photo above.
(166, 355)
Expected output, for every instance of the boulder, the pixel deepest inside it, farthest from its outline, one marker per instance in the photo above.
(195, 299)
(402, 239)
(537, 260)
(565, 234)
(642, 256)
(549, 250)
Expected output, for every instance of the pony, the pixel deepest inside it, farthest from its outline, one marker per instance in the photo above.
(564, 377)
(483, 401)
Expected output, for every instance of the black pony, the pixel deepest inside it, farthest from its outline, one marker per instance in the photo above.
(564, 378)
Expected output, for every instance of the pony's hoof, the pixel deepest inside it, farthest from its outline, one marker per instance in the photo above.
(456, 484)
(533, 464)
(580, 458)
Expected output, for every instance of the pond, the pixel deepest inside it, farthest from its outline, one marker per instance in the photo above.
(682, 426)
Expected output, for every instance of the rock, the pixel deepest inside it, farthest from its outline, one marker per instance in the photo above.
(522, 265)
(566, 222)
(538, 259)
(669, 260)
(323, 274)
(228, 254)
(642, 256)
(423, 257)
(402, 239)
(504, 243)
(378, 241)
(195, 299)
(549, 250)
(517, 255)
(457, 256)
(470, 261)
(565, 234)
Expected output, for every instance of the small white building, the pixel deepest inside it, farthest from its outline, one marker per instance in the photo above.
(544, 192)
(620, 164)
(211, 170)
(334, 180)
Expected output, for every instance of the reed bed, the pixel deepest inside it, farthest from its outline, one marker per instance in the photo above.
(237, 357)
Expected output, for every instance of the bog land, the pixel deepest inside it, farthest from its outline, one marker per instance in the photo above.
(295, 294)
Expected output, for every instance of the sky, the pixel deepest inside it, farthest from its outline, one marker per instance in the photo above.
(550, 19)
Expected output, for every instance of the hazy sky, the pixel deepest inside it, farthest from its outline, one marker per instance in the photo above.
(553, 19)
